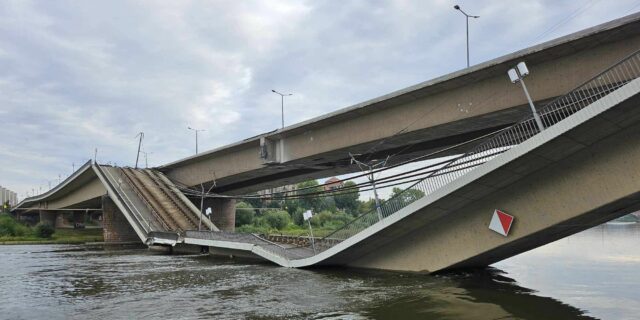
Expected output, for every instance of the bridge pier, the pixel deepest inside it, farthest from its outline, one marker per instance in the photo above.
(47, 217)
(224, 213)
(116, 227)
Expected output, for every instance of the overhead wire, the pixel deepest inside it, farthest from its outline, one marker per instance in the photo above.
(568, 18)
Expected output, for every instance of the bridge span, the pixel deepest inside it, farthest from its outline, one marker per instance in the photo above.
(580, 171)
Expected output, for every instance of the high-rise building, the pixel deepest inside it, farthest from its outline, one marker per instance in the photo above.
(8, 195)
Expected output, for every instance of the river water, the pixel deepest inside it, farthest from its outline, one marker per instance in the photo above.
(593, 274)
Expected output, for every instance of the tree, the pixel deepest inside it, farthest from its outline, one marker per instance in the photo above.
(366, 206)
(277, 219)
(404, 197)
(312, 201)
(254, 202)
(348, 199)
(244, 214)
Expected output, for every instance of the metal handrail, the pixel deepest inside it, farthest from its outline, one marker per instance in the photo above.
(145, 201)
(555, 111)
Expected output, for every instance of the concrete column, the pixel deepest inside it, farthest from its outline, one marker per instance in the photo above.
(60, 221)
(115, 226)
(48, 217)
(224, 213)
(78, 217)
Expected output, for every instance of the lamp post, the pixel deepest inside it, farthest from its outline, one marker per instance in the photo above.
(370, 167)
(141, 134)
(282, 95)
(516, 74)
(196, 131)
(457, 7)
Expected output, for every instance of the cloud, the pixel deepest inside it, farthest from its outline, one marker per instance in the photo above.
(92, 74)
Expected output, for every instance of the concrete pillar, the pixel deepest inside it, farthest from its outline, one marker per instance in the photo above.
(115, 227)
(78, 218)
(48, 217)
(61, 221)
(224, 213)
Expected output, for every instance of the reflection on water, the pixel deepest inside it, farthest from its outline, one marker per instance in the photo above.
(597, 270)
(592, 274)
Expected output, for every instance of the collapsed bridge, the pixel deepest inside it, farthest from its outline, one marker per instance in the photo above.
(581, 170)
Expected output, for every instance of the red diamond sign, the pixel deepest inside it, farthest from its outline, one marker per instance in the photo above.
(501, 222)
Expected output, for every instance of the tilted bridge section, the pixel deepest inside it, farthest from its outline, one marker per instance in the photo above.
(544, 178)
(158, 212)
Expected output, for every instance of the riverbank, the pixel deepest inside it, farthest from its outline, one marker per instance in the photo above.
(60, 236)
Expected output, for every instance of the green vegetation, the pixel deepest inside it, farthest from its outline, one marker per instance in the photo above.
(43, 230)
(331, 211)
(9, 227)
(14, 232)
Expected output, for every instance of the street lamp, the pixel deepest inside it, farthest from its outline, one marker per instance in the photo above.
(516, 74)
(282, 95)
(457, 7)
(370, 167)
(146, 159)
(196, 131)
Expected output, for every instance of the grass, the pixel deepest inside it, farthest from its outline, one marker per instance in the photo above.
(61, 236)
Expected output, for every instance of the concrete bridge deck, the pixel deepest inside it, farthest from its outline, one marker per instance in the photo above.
(413, 121)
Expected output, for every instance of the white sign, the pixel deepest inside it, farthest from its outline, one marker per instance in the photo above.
(208, 211)
(307, 215)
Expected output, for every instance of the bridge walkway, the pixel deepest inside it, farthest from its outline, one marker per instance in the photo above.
(154, 206)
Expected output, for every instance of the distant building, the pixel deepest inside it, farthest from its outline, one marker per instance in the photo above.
(8, 195)
(332, 184)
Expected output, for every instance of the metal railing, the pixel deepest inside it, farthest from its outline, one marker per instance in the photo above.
(133, 187)
(557, 110)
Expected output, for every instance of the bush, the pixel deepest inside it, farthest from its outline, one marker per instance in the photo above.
(44, 230)
(9, 227)
(277, 219)
(329, 220)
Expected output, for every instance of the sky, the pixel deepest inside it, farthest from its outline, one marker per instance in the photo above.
(81, 75)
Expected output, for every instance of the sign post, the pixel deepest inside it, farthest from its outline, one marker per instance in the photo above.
(208, 212)
(307, 217)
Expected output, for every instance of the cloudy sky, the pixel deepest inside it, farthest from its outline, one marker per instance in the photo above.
(80, 75)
